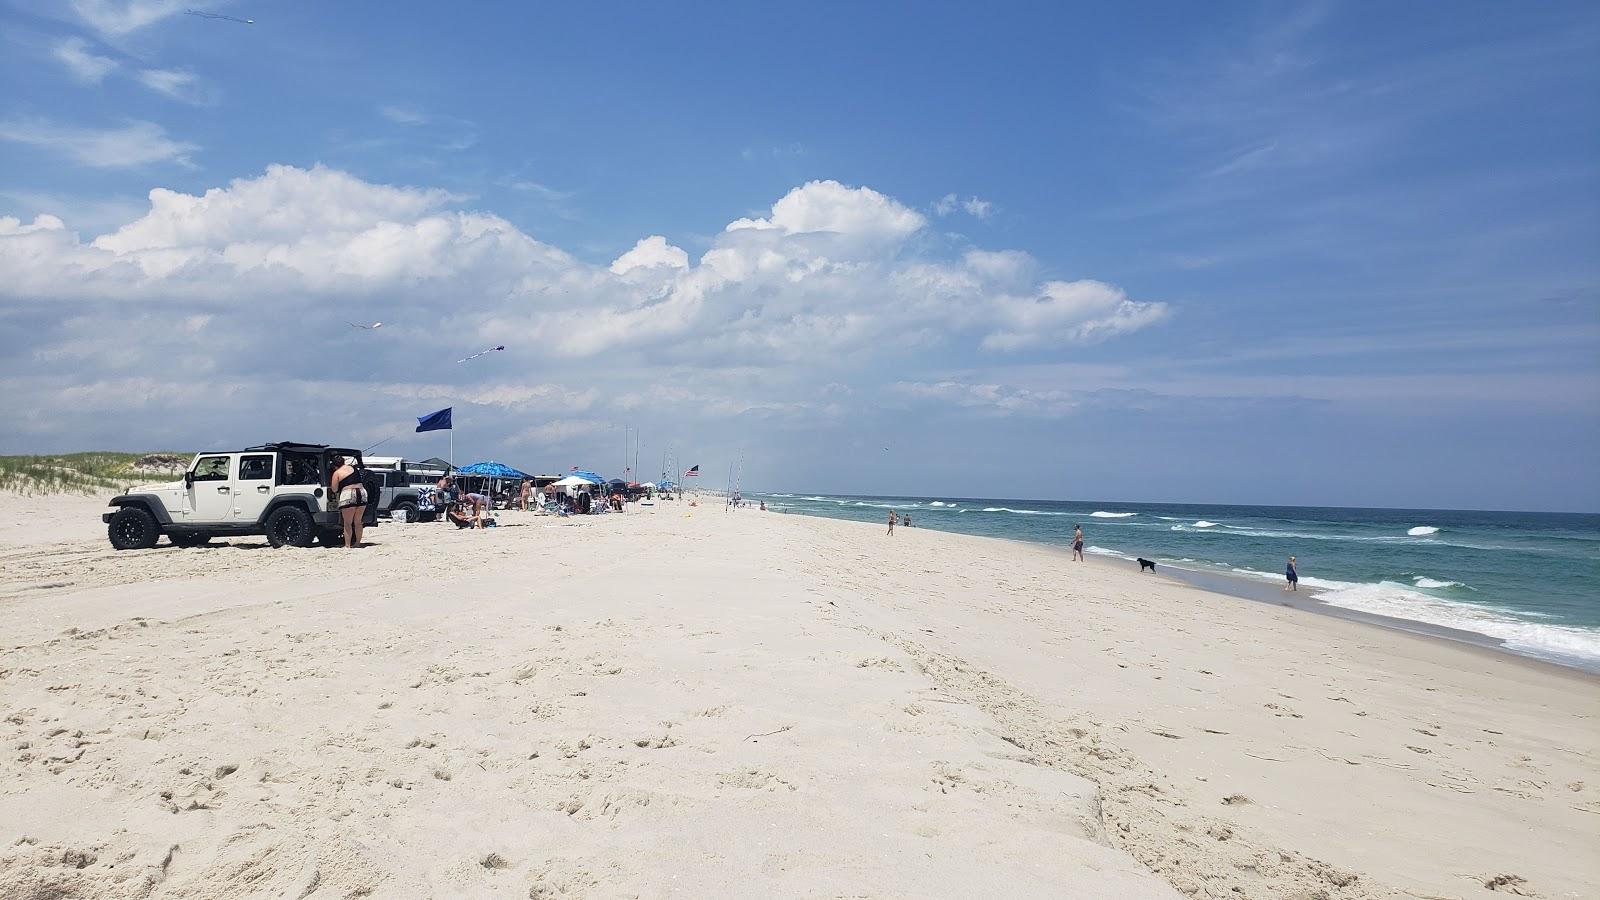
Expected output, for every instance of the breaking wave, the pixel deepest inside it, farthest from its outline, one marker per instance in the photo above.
(1421, 530)
(1102, 514)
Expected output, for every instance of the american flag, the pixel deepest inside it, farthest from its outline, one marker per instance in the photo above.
(692, 472)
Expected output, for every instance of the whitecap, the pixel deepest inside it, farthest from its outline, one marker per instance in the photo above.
(1101, 551)
(1423, 581)
(1421, 530)
(1101, 514)
(1204, 524)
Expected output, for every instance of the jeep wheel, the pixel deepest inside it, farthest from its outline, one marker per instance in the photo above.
(289, 526)
(408, 507)
(189, 540)
(133, 528)
(330, 538)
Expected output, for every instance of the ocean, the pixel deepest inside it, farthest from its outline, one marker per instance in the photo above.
(1528, 580)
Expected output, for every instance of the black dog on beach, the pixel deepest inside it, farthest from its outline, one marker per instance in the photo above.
(1146, 564)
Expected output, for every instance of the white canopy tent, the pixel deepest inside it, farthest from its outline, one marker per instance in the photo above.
(571, 481)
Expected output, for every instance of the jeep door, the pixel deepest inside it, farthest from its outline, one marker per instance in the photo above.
(252, 486)
(211, 489)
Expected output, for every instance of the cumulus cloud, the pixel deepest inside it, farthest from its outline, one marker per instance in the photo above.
(84, 65)
(131, 145)
(786, 317)
(651, 252)
(828, 206)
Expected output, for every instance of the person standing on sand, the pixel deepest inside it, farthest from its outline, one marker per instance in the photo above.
(1077, 543)
(527, 491)
(891, 523)
(1292, 574)
(345, 486)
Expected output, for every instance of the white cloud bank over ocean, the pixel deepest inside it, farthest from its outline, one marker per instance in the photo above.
(224, 315)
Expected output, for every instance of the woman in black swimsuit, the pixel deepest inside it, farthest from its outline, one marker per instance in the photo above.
(346, 485)
(1077, 543)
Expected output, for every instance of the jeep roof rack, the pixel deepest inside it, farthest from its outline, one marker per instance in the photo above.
(293, 446)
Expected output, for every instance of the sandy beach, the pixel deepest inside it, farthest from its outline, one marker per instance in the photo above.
(693, 702)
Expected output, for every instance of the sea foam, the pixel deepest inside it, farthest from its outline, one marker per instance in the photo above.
(1386, 598)
(1421, 530)
(1101, 514)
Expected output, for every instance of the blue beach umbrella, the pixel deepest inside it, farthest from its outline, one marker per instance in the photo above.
(492, 469)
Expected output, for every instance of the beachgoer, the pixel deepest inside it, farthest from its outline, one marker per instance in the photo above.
(1292, 574)
(346, 485)
(527, 490)
(1077, 543)
(891, 522)
(476, 502)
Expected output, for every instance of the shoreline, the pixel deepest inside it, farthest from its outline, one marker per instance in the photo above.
(1261, 591)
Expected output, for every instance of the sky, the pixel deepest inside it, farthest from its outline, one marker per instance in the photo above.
(1284, 253)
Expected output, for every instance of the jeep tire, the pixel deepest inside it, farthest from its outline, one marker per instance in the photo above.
(133, 528)
(289, 526)
(410, 508)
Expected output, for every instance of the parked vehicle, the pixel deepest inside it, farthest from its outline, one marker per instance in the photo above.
(401, 481)
(278, 490)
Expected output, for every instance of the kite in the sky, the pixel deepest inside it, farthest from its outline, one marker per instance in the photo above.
(211, 15)
(373, 326)
(482, 352)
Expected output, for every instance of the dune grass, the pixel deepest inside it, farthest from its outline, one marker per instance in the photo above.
(94, 472)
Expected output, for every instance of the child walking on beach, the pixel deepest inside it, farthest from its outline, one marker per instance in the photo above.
(1292, 575)
(1077, 543)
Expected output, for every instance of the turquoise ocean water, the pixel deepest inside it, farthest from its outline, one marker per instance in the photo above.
(1530, 580)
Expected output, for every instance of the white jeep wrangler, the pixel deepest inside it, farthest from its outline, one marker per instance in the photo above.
(277, 490)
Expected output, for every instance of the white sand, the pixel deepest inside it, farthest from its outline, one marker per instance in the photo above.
(747, 704)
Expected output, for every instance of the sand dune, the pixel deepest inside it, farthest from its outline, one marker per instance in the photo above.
(747, 704)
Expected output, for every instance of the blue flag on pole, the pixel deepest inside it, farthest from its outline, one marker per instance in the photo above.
(435, 421)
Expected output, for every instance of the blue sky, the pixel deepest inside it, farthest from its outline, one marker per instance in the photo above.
(1334, 253)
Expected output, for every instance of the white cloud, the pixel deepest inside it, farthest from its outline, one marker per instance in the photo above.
(555, 432)
(178, 85)
(1069, 312)
(132, 145)
(828, 206)
(997, 399)
(649, 253)
(85, 66)
(255, 280)
(404, 115)
(972, 206)
(119, 17)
